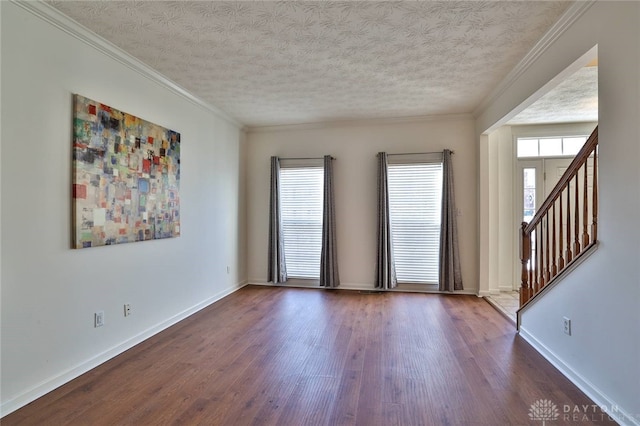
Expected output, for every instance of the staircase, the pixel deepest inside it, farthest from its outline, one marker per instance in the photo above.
(565, 227)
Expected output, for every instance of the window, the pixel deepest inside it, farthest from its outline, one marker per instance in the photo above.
(529, 187)
(301, 188)
(550, 147)
(415, 199)
(529, 202)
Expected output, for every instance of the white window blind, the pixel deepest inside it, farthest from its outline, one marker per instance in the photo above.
(301, 204)
(415, 199)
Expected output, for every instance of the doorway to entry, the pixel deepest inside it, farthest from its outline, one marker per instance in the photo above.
(537, 177)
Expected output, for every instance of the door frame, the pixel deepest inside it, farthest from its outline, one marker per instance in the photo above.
(540, 164)
(521, 164)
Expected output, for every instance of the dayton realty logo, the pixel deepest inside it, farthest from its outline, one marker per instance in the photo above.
(543, 410)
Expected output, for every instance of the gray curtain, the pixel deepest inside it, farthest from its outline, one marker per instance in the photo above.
(329, 253)
(385, 267)
(277, 265)
(450, 274)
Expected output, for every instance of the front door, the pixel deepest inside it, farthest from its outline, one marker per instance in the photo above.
(536, 180)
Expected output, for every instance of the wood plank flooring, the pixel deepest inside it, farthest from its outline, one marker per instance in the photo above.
(286, 356)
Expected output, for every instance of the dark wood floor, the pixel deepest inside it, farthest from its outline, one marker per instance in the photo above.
(284, 356)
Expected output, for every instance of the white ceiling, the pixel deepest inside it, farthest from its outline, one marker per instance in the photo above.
(285, 62)
(573, 100)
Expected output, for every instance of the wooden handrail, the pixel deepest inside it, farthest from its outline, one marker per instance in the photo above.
(552, 250)
(578, 161)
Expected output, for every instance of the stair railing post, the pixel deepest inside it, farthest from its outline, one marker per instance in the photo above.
(554, 267)
(576, 241)
(560, 236)
(525, 255)
(594, 201)
(547, 243)
(585, 208)
(569, 254)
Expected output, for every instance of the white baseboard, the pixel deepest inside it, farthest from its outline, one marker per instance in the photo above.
(54, 382)
(486, 293)
(302, 284)
(355, 286)
(597, 396)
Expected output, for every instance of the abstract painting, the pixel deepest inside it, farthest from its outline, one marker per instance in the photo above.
(126, 177)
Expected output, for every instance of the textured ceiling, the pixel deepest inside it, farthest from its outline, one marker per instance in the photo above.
(269, 63)
(573, 100)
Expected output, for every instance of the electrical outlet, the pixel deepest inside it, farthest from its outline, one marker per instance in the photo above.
(566, 324)
(127, 309)
(98, 319)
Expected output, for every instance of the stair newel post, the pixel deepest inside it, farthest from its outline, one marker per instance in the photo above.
(525, 255)
(594, 224)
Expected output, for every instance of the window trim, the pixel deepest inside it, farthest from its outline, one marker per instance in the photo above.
(426, 159)
(518, 138)
(288, 164)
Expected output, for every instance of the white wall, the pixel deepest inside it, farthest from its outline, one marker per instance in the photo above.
(501, 218)
(49, 291)
(602, 296)
(355, 147)
(506, 220)
(486, 214)
(496, 188)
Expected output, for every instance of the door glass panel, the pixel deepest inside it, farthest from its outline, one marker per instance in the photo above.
(529, 202)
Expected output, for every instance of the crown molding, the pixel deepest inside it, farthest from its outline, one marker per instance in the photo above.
(357, 122)
(63, 22)
(575, 11)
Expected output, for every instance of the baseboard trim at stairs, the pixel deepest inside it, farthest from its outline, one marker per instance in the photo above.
(605, 403)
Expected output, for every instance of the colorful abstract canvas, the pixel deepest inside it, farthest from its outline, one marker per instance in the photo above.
(126, 177)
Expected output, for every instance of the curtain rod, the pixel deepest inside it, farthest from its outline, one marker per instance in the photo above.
(304, 158)
(421, 153)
